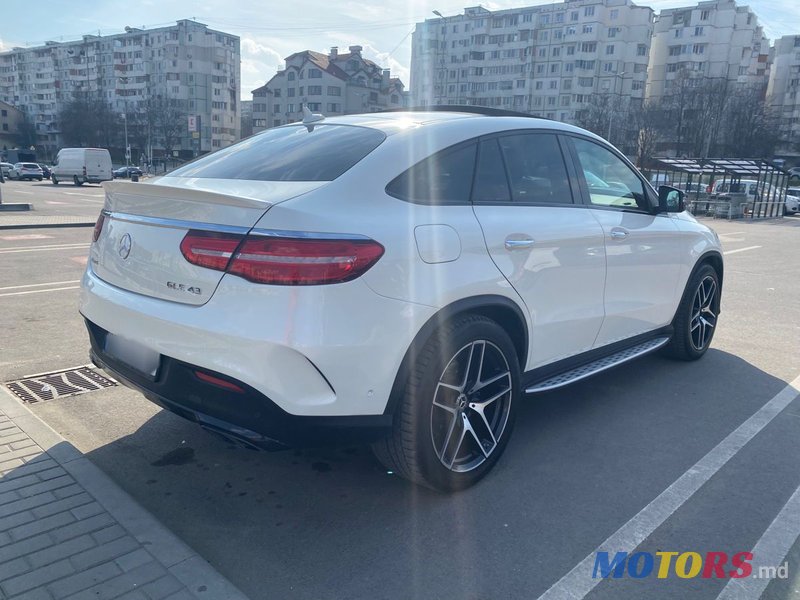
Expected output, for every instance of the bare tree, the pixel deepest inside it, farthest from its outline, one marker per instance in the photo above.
(597, 114)
(750, 128)
(649, 122)
(169, 121)
(695, 105)
(89, 122)
(26, 133)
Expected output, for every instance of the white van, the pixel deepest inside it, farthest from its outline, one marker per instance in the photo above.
(81, 165)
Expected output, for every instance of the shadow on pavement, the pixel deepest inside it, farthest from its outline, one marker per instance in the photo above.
(331, 522)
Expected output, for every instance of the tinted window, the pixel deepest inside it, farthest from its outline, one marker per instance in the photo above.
(491, 184)
(288, 154)
(611, 182)
(536, 169)
(444, 178)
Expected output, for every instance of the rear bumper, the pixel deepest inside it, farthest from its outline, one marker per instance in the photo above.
(315, 351)
(248, 416)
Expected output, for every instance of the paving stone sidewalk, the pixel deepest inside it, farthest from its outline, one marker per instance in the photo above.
(68, 531)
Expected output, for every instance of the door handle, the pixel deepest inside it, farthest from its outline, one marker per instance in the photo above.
(519, 244)
(618, 233)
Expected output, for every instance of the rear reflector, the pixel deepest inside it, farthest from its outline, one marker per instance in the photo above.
(303, 261)
(98, 226)
(218, 381)
(210, 250)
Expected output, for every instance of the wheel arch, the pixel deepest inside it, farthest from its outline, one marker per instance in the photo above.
(501, 309)
(713, 258)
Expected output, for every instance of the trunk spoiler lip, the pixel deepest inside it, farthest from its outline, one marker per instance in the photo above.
(211, 191)
(176, 223)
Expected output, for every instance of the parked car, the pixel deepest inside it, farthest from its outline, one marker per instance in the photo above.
(81, 165)
(126, 172)
(26, 171)
(403, 278)
(755, 191)
(45, 170)
(792, 201)
(7, 168)
(691, 189)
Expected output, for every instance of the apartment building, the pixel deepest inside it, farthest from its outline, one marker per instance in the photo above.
(188, 64)
(546, 60)
(716, 40)
(333, 84)
(783, 88)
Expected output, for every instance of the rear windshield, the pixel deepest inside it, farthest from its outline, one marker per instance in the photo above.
(288, 154)
(30, 166)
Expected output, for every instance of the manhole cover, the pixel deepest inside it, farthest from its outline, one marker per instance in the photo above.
(60, 384)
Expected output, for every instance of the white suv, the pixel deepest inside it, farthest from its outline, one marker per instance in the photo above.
(403, 278)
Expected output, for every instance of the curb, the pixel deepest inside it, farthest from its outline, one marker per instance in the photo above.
(15, 206)
(177, 557)
(46, 226)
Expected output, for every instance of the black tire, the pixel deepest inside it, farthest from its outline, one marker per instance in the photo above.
(53, 179)
(684, 343)
(76, 181)
(38, 179)
(409, 450)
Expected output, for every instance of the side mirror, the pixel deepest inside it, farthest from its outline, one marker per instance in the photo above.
(670, 200)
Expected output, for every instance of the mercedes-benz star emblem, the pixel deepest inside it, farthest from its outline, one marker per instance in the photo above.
(124, 248)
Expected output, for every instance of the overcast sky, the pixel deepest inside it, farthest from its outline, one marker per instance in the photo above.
(272, 30)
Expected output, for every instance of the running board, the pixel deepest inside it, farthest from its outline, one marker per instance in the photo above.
(601, 364)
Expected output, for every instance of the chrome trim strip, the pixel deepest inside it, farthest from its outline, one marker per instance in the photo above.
(177, 223)
(311, 235)
(604, 364)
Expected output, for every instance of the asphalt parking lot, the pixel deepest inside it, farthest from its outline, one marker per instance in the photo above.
(585, 463)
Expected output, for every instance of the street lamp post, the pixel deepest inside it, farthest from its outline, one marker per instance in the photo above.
(127, 148)
(611, 115)
(441, 53)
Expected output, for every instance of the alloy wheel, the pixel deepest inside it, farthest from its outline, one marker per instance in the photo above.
(471, 405)
(704, 319)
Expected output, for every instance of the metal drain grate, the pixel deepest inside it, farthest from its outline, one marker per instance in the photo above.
(60, 384)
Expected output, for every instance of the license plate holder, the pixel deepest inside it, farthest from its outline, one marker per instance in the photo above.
(137, 356)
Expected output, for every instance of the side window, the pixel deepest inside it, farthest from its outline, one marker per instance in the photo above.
(536, 169)
(444, 178)
(610, 181)
(491, 184)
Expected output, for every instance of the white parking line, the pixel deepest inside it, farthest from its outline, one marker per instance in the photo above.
(74, 287)
(23, 192)
(741, 250)
(30, 285)
(579, 582)
(770, 551)
(43, 248)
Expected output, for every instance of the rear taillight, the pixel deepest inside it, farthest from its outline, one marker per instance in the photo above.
(210, 250)
(98, 226)
(301, 261)
(281, 260)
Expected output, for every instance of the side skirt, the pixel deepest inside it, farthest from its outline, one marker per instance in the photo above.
(590, 363)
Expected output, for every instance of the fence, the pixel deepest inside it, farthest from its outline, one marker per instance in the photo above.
(725, 188)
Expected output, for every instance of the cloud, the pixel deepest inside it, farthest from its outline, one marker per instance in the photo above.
(253, 48)
(260, 61)
(387, 62)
